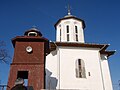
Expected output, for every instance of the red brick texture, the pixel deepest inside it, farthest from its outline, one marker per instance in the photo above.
(33, 63)
(35, 75)
(22, 56)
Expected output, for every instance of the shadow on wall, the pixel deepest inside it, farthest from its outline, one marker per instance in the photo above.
(51, 82)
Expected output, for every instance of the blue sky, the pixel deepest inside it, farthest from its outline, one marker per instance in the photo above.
(101, 17)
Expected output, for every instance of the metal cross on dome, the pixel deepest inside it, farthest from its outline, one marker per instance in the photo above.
(69, 9)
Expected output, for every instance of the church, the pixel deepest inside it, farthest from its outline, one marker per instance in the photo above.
(67, 63)
(74, 64)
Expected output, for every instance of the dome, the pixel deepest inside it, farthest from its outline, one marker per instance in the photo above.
(33, 32)
(69, 16)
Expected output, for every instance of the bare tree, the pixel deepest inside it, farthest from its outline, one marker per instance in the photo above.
(4, 57)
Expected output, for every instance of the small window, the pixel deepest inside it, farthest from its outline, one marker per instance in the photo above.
(67, 37)
(67, 29)
(32, 34)
(60, 25)
(76, 37)
(76, 33)
(89, 74)
(76, 29)
(80, 69)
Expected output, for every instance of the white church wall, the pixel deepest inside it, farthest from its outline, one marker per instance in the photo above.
(106, 73)
(67, 69)
(62, 67)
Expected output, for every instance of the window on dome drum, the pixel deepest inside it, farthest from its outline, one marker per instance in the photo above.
(67, 28)
(80, 69)
(76, 37)
(76, 29)
(76, 33)
(67, 37)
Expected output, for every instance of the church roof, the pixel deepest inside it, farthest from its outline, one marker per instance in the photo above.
(102, 47)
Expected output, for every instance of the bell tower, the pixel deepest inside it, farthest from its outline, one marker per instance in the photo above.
(28, 63)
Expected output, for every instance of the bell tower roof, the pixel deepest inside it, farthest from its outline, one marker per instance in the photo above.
(30, 35)
(33, 32)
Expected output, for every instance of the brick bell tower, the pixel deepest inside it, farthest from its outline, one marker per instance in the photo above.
(28, 63)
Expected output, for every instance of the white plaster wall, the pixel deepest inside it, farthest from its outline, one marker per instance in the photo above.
(106, 73)
(67, 69)
(51, 70)
(62, 67)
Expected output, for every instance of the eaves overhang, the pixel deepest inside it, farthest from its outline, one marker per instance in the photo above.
(102, 47)
(29, 38)
(108, 53)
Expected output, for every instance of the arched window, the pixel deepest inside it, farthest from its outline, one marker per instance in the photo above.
(76, 33)
(80, 69)
(67, 27)
(76, 29)
(76, 37)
